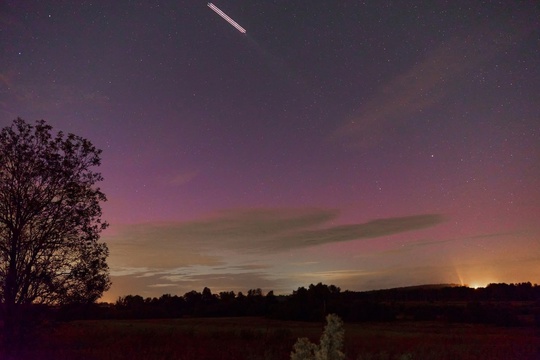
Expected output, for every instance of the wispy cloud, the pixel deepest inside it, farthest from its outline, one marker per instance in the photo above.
(249, 267)
(427, 82)
(219, 251)
(214, 252)
(333, 276)
(368, 230)
(256, 230)
(174, 284)
(162, 285)
(200, 242)
(420, 244)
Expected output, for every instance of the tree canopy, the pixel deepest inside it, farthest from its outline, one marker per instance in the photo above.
(50, 218)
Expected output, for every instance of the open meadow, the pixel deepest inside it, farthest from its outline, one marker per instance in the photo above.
(260, 338)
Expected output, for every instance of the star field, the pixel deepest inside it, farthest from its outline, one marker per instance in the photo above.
(362, 144)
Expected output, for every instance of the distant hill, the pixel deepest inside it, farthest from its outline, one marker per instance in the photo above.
(420, 287)
(452, 292)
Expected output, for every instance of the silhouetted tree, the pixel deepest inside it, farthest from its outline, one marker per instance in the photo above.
(227, 296)
(171, 306)
(207, 296)
(193, 301)
(50, 220)
(130, 302)
(254, 292)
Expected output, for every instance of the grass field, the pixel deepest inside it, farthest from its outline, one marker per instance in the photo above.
(258, 338)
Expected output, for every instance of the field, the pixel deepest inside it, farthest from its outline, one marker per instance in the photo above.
(259, 338)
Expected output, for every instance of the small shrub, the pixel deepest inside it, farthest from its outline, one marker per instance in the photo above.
(330, 347)
(304, 350)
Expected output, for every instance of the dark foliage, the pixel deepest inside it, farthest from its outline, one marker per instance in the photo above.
(50, 222)
(498, 304)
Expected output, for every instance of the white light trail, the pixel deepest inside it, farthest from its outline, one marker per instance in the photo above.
(227, 18)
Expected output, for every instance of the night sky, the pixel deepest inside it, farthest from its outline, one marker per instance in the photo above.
(365, 144)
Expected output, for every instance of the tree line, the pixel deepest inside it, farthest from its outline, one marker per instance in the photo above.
(501, 304)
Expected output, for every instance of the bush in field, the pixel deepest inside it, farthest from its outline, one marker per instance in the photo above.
(332, 340)
(330, 347)
(303, 349)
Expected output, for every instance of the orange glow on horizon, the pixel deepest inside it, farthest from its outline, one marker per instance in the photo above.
(476, 285)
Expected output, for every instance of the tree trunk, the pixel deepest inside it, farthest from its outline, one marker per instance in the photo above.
(10, 309)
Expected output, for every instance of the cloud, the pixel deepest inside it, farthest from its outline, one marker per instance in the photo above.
(255, 230)
(162, 285)
(215, 280)
(219, 251)
(371, 229)
(179, 257)
(248, 267)
(157, 254)
(426, 243)
(427, 82)
(223, 281)
(172, 245)
(334, 276)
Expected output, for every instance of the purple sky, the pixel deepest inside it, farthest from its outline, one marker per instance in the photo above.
(363, 144)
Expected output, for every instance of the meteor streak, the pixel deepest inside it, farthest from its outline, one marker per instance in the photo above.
(226, 17)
